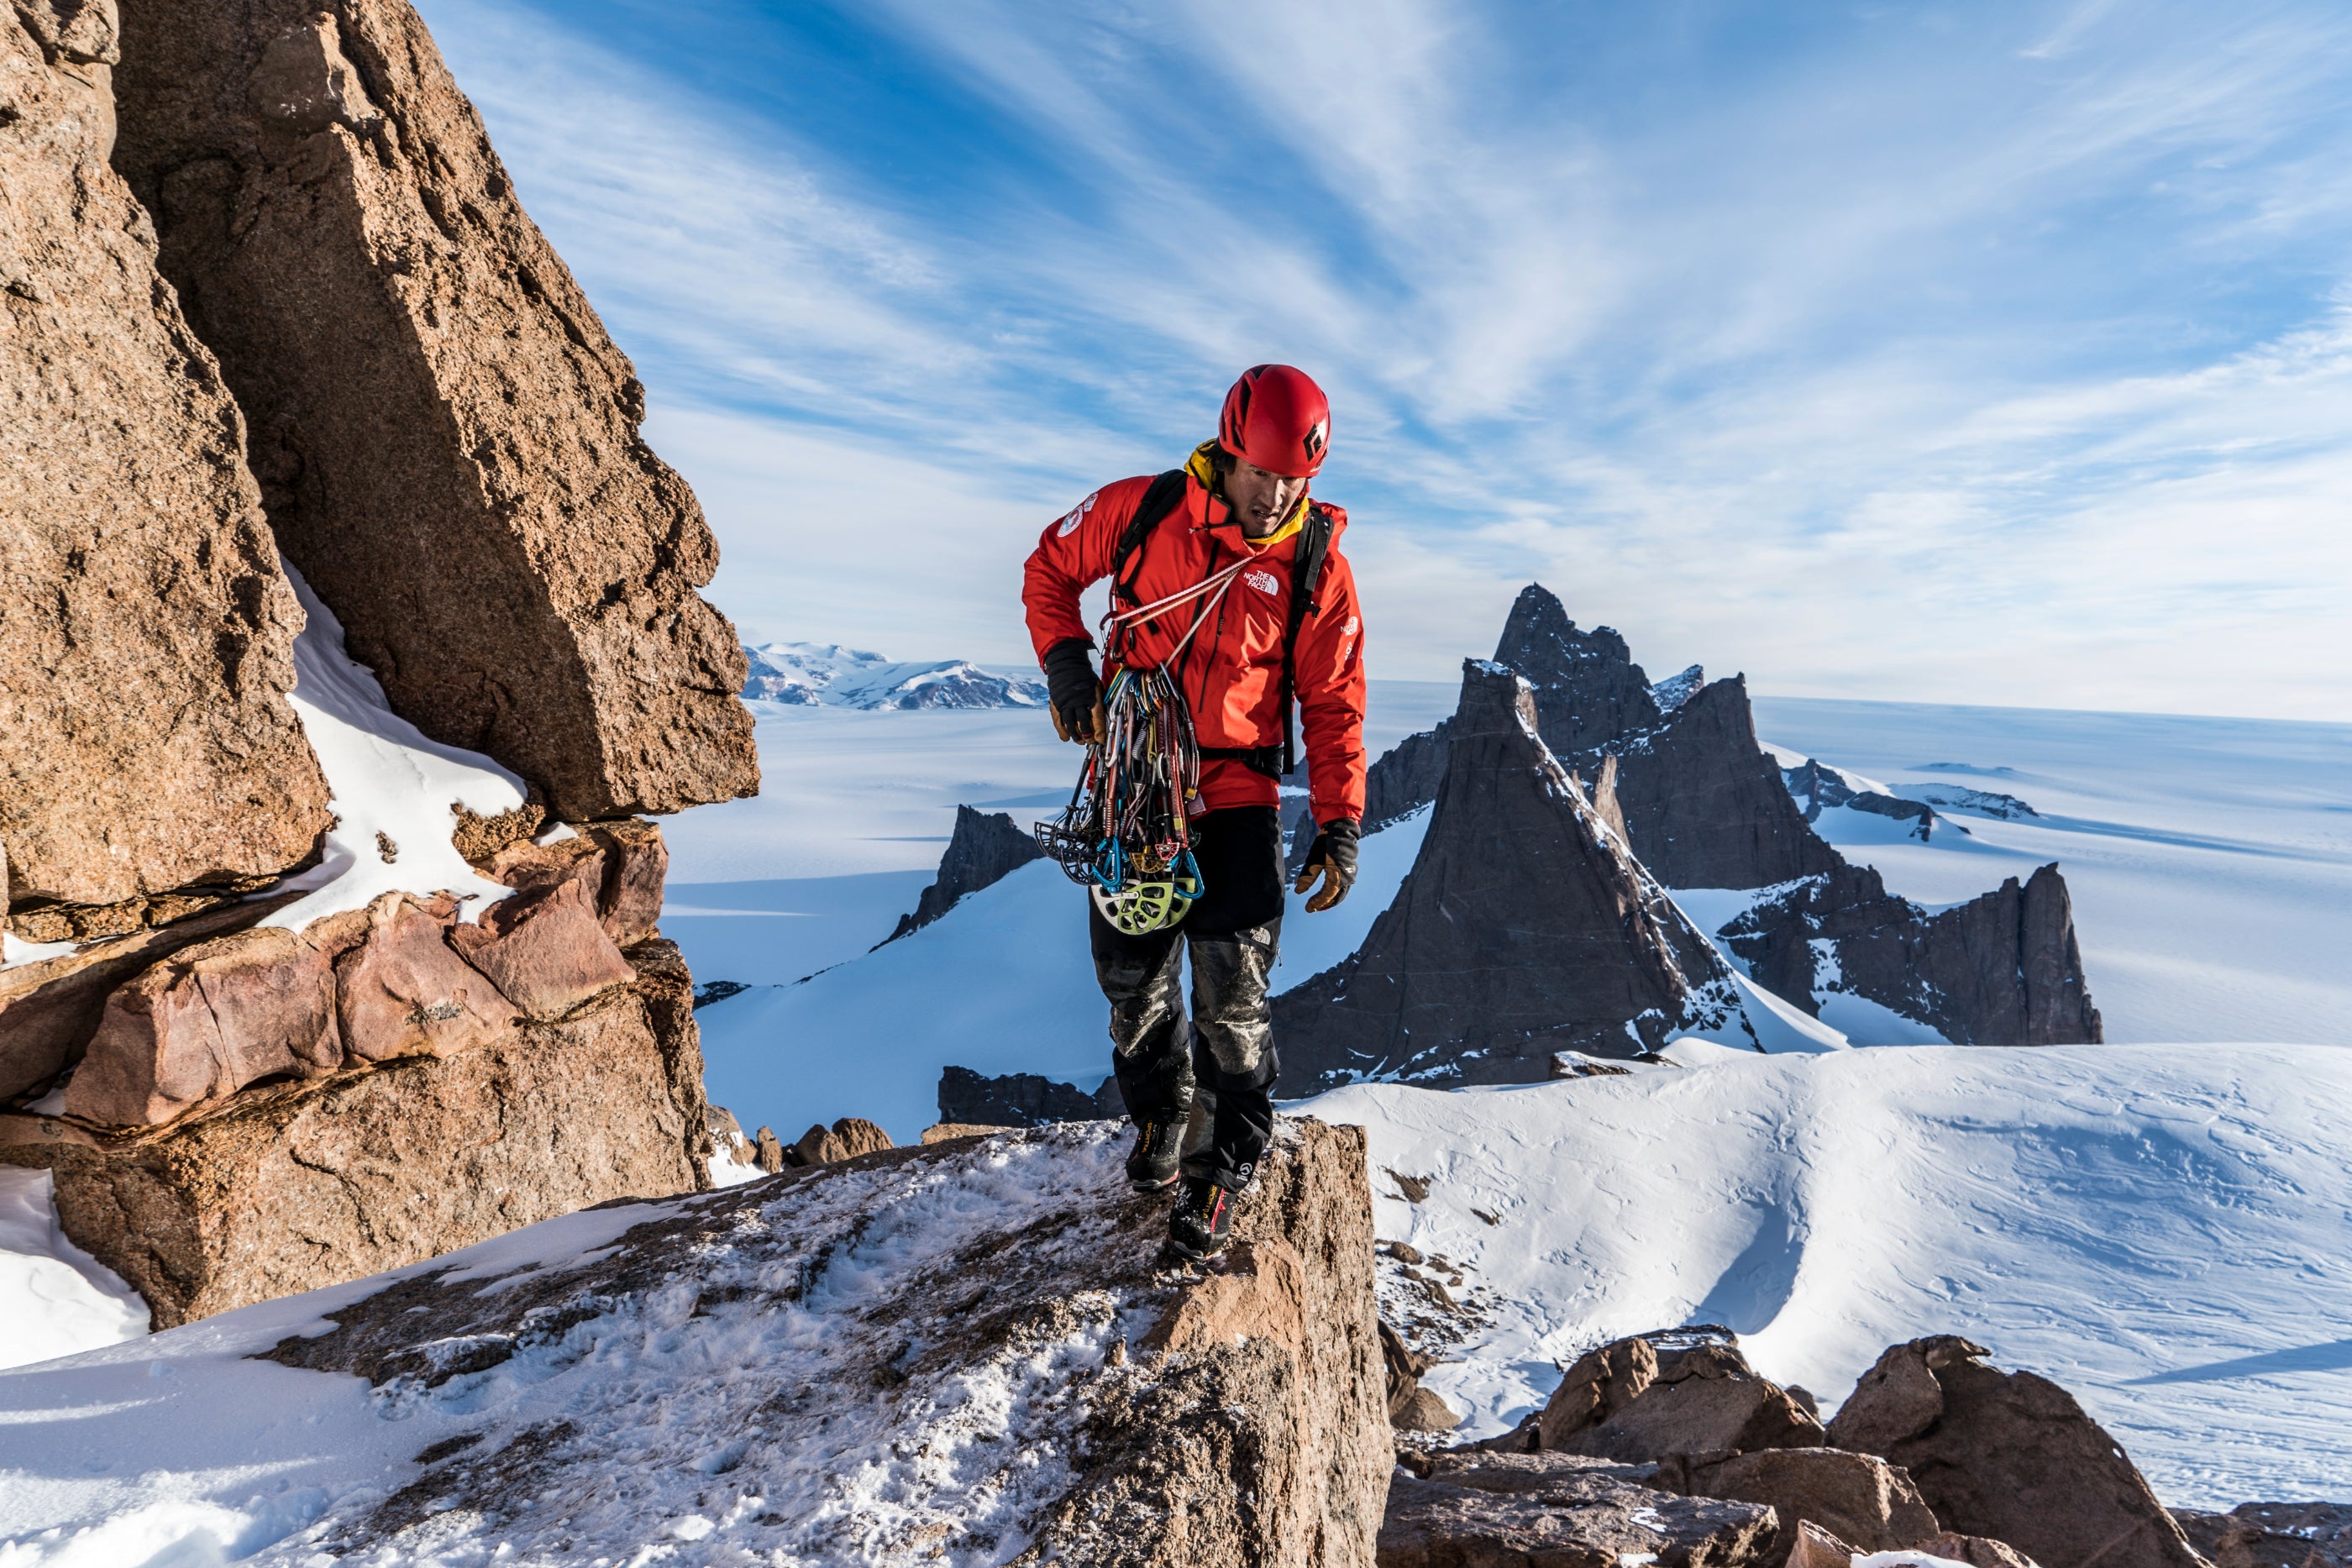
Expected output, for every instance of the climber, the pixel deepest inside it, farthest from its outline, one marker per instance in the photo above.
(1281, 622)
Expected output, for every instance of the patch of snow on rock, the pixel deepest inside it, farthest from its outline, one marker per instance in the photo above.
(55, 1299)
(392, 788)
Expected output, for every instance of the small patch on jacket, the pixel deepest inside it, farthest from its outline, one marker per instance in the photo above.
(1263, 580)
(1069, 525)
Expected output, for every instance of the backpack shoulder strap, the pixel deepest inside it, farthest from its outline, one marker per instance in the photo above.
(1305, 576)
(1157, 501)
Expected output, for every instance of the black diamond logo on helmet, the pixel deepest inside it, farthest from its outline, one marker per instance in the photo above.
(1316, 436)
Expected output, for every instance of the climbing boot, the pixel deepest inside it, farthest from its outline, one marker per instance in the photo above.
(1151, 1163)
(1202, 1221)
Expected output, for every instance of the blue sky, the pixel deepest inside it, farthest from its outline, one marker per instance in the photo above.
(1993, 353)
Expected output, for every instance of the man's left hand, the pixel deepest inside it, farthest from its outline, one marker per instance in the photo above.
(1333, 855)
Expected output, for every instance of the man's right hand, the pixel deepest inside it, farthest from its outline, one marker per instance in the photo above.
(1071, 691)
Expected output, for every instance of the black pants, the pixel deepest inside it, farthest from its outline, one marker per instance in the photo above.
(1215, 1071)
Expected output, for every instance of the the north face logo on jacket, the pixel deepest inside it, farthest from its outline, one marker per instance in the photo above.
(1263, 580)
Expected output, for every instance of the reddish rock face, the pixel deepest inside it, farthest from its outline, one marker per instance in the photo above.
(446, 438)
(146, 738)
(401, 991)
(48, 1011)
(637, 865)
(203, 1024)
(546, 951)
(312, 1183)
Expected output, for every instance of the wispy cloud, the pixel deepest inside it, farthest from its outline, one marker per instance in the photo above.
(1994, 355)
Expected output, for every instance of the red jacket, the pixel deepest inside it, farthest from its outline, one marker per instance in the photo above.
(1232, 671)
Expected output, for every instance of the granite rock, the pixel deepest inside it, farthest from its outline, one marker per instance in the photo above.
(445, 439)
(1457, 1510)
(2010, 1456)
(146, 742)
(1863, 1501)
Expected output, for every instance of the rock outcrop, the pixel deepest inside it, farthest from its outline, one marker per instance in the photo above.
(146, 627)
(2010, 1456)
(264, 1111)
(974, 1318)
(987, 846)
(1524, 928)
(2273, 1535)
(1024, 1099)
(1678, 1392)
(445, 439)
(310, 1182)
(2003, 969)
(1860, 1499)
(1454, 1510)
(1819, 788)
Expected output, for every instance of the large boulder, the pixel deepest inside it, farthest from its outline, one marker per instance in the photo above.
(1525, 928)
(1458, 1510)
(986, 847)
(2004, 969)
(973, 1320)
(146, 742)
(1699, 1396)
(2010, 1456)
(446, 438)
(309, 1182)
(1858, 1498)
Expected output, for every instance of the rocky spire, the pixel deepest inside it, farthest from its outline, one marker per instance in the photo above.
(1588, 692)
(987, 847)
(1526, 927)
(2003, 969)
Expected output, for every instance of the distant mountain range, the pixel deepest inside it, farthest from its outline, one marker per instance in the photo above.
(825, 674)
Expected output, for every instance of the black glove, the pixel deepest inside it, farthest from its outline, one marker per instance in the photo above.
(1334, 854)
(1072, 690)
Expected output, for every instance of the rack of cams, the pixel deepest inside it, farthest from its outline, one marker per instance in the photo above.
(1125, 835)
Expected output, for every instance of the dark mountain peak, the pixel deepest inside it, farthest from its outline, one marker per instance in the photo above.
(987, 847)
(1590, 694)
(1526, 927)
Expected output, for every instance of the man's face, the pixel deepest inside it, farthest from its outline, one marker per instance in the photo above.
(1260, 500)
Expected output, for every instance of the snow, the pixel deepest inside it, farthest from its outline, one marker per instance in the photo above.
(15, 950)
(182, 1451)
(829, 675)
(2209, 860)
(2161, 1229)
(390, 785)
(55, 1299)
(1675, 690)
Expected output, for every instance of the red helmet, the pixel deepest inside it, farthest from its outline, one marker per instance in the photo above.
(1278, 419)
